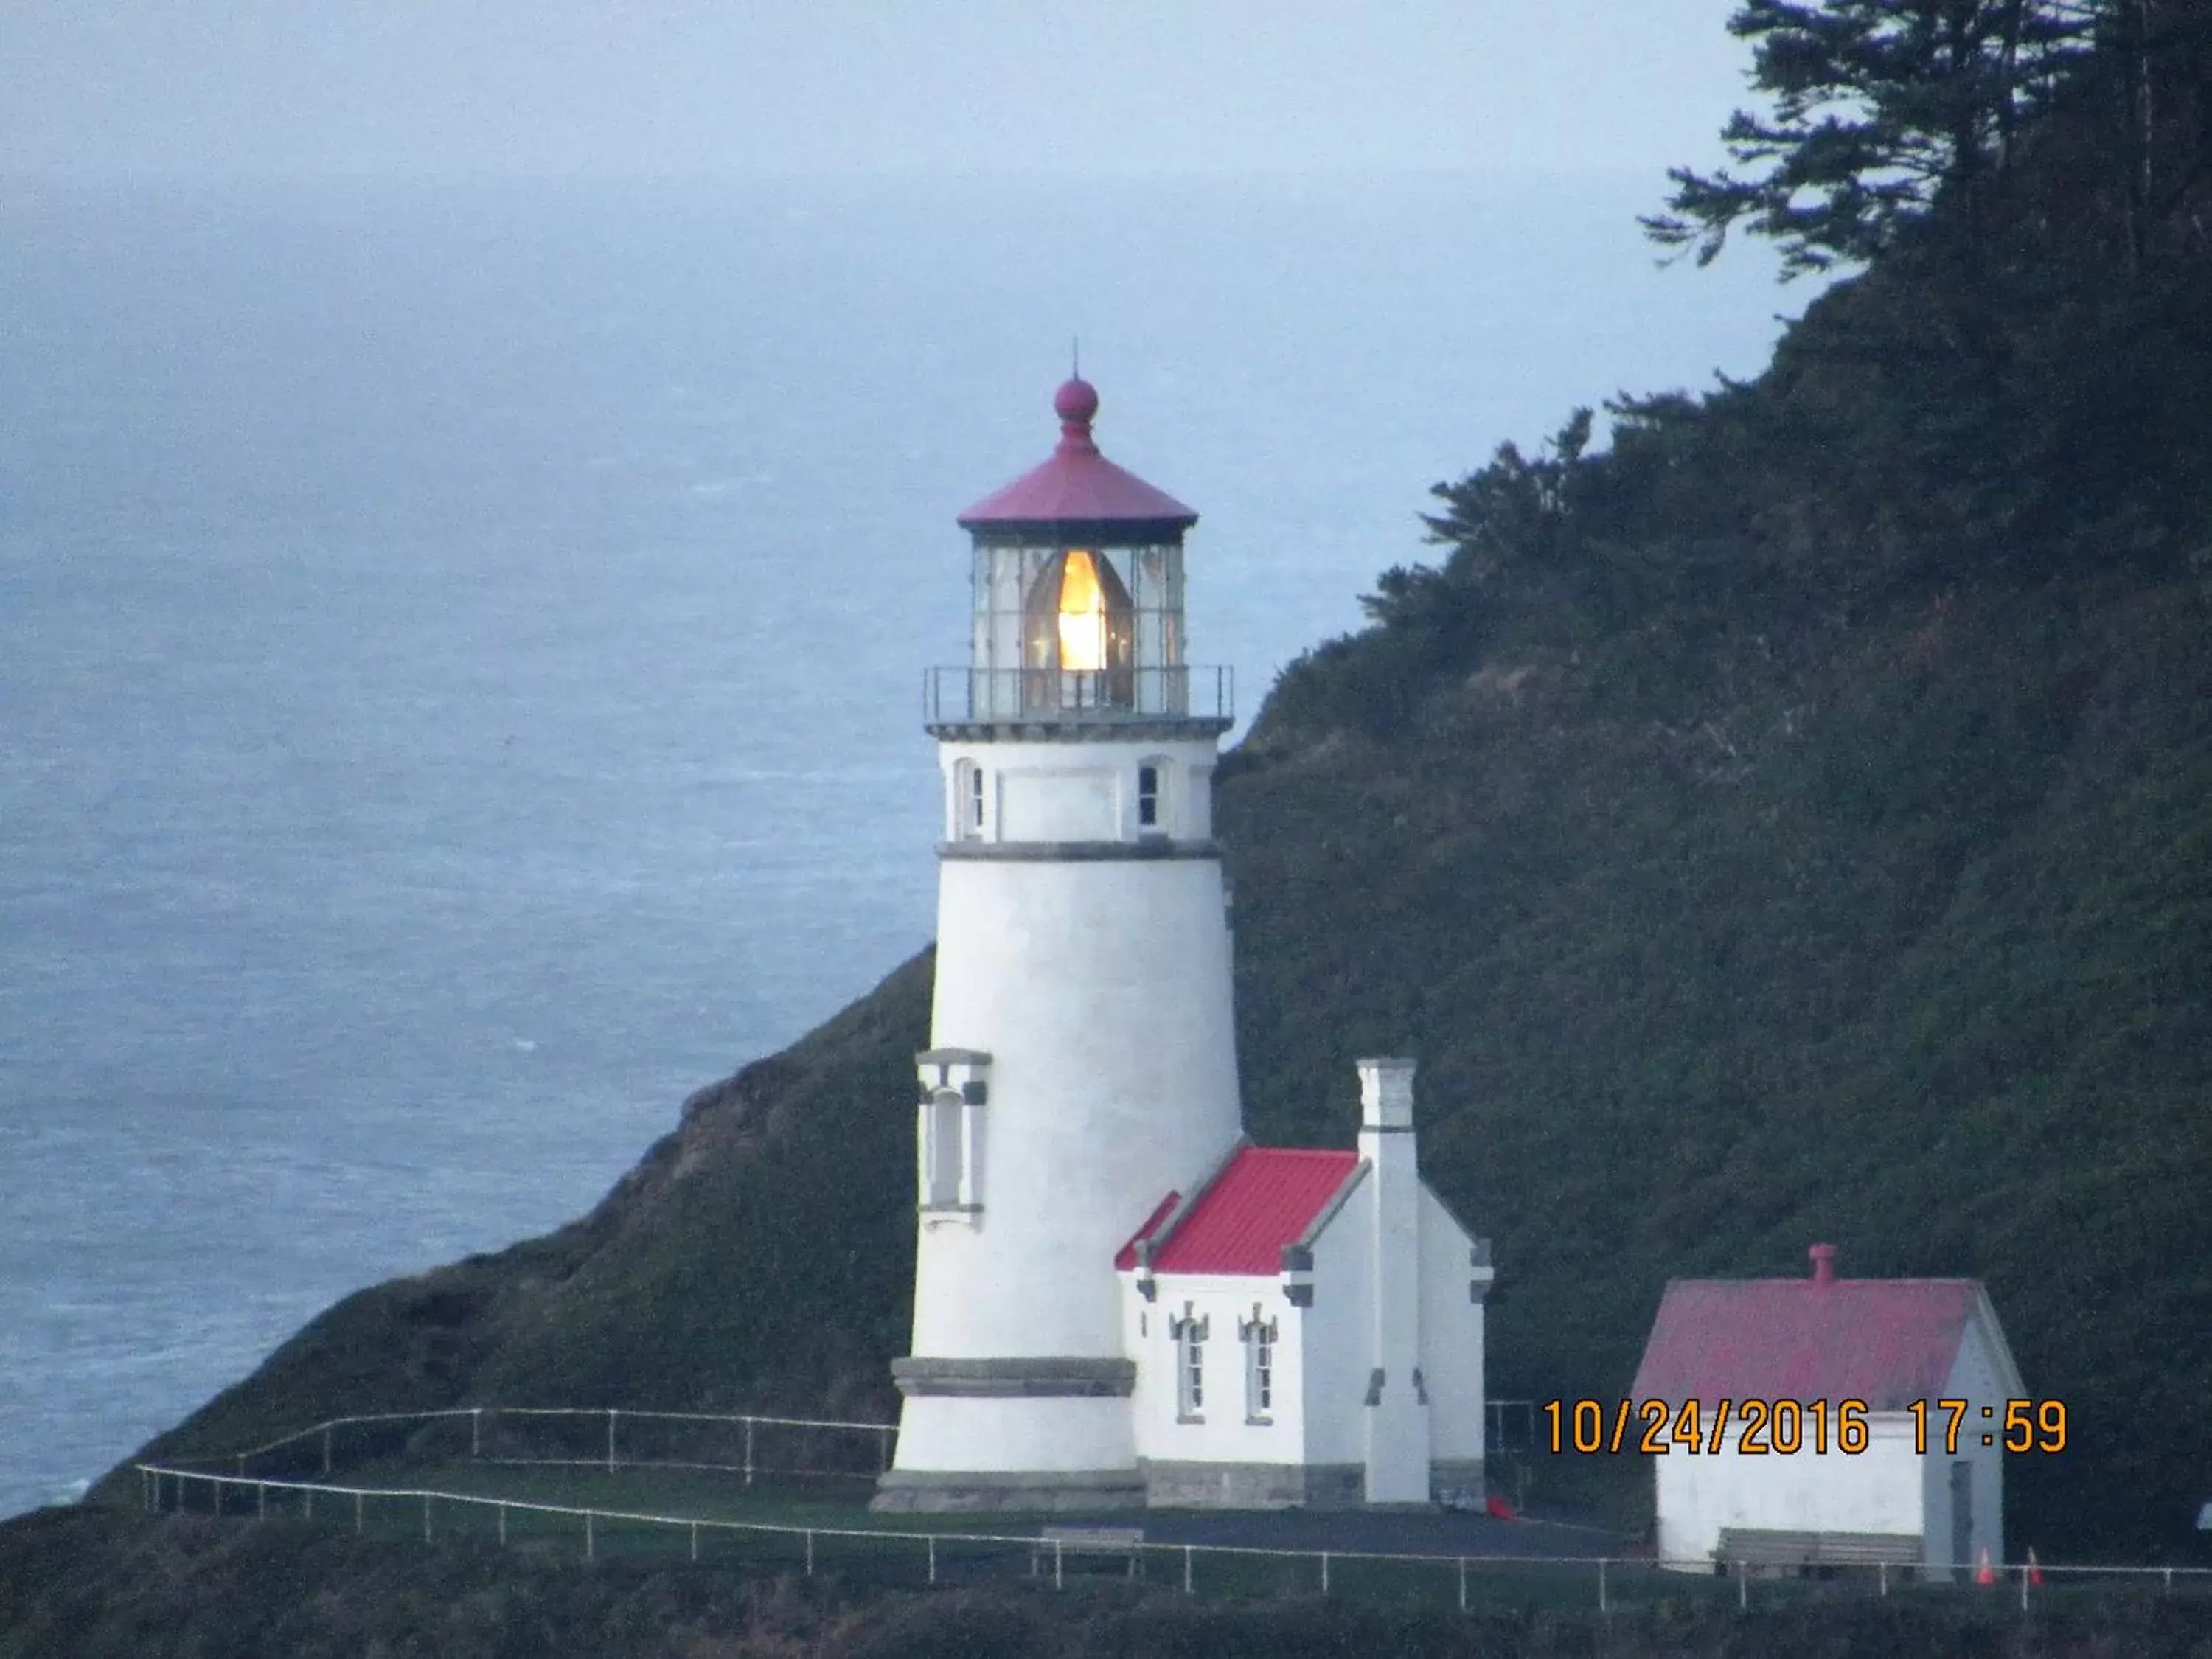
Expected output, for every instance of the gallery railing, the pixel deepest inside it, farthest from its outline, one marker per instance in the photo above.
(964, 696)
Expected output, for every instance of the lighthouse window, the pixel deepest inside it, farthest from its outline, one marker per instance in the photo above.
(1148, 796)
(1082, 615)
(941, 1150)
(1259, 1367)
(1190, 1334)
(967, 801)
(1077, 634)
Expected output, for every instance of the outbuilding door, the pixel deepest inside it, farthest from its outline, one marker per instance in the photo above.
(1962, 1513)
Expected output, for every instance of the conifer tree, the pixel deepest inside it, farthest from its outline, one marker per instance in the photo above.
(1878, 108)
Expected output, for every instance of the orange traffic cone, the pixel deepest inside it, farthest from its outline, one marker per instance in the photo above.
(1984, 1572)
(2034, 1572)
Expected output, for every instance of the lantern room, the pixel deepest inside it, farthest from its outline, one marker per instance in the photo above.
(1077, 595)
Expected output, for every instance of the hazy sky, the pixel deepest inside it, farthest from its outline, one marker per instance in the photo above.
(554, 87)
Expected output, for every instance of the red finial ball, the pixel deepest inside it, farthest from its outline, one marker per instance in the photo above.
(1076, 401)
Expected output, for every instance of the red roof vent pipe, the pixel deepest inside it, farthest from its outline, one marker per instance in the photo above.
(1824, 1263)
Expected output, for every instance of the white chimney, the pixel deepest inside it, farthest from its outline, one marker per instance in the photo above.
(1396, 1417)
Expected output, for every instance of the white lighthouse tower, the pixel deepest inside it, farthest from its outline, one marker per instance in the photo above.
(1082, 1059)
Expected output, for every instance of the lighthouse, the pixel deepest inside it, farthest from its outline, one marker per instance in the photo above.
(1082, 1057)
(1118, 1298)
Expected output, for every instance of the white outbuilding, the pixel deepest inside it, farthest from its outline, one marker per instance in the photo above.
(1118, 1300)
(1307, 1325)
(1846, 1388)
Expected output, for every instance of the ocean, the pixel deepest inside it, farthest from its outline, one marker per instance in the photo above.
(460, 651)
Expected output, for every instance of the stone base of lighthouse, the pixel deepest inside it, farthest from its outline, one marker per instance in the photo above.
(1028, 1434)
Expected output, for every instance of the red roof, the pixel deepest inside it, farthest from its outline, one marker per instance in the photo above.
(1886, 1341)
(1126, 1257)
(1265, 1197)
(1077, 485)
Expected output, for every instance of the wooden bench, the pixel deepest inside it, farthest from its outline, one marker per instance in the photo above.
(1062, 1543)
(1776, 1550)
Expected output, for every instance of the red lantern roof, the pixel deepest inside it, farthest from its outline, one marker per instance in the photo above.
(1078, 488)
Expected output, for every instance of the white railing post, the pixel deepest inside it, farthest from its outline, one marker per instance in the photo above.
(809, 1552)
(611, 1440)
(1743, 1586)
(327, 1448)
(1059, 1557)
(503, 1525)
(1324, 1572)
(591, 1542)
(1462, 1583)
(932, 1558)
(1881, 1574)
(476, 1433)
(749, 1451)
(2023, 1590)
(1187, 1553)
(1601, 1585)
(695, 1543)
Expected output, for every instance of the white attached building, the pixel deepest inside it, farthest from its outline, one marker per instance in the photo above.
(1307, 1325)
(1283, 1326)
(1911, 1493)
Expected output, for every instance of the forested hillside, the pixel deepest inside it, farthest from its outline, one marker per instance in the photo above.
(1790, 822)
(1786, 819)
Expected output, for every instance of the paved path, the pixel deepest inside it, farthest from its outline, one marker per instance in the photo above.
(1393, 1533)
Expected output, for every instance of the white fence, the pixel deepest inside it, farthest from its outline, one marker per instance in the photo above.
(613, 1437)
(608, 1437)
(929, 1558)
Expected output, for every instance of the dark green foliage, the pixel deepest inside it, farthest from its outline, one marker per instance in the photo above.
(1880, 107)
(1892, 947)
(1784, 823)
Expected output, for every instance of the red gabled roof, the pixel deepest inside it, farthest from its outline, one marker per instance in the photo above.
(1126, 1257)
(1886, 1341)
(1264, 1197)
(1077, 485)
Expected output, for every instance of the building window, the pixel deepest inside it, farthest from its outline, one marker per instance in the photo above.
(942, 1162)
(1148, 795)
(950, 1135)
(1259, 1336)
(1078, 638)
(967, 801)
(1190, 1334)
(1082, 614)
